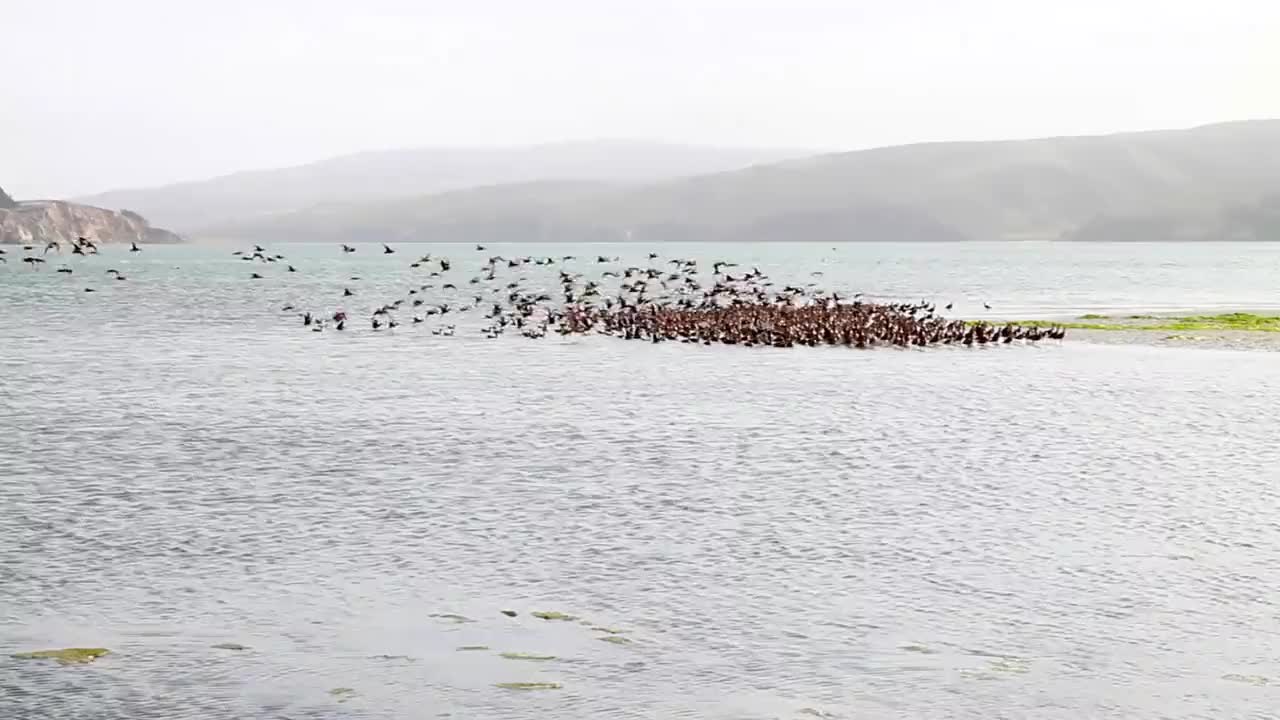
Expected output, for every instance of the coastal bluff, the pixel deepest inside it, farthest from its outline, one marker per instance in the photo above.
(40, 222)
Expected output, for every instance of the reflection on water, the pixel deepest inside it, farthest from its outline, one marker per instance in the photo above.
(261, 522)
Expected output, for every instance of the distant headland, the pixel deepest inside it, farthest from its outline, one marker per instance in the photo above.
(40, 222)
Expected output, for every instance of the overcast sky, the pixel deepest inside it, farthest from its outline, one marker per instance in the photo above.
(98, 95)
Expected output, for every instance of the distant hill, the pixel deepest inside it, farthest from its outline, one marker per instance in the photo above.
(1212, 182)
(371, 177)
(6, 202)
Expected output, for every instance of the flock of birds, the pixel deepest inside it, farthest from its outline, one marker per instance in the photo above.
(663, 300)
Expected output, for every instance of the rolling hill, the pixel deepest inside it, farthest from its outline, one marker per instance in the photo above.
(1212, 182)
(372, 177)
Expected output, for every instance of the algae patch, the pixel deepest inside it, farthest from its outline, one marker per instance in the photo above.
(529, 685)
(525, 656)
(608, 630)
(1017, 666)
(66, 656)
(1256, 680)
(342, 694)
(922, 649)
(1245, 322)
(553, 615)
(470, 648)
(615, 639)
(452, 617)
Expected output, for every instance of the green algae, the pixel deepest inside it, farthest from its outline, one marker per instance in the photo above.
(525, 656)
(470, 648)
(922, 649)
(1245, 322)
(1016, 666)
(342, 694)
(452, 617)
(615, 639)
(552, 615)
(1093, 316)
(609, 630)
(66, 656)
(229, 646)
(529, 685)
(1256, 680)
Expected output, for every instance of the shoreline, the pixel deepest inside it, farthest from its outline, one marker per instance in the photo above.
(1240, 330)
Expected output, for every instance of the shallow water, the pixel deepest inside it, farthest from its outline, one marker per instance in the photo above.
(1058, 531)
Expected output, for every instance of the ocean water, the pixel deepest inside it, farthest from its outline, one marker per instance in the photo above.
(1064, 530)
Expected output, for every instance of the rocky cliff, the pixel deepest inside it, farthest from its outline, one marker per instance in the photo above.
(44, 221)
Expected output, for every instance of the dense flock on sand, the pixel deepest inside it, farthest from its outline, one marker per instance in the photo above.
(664, 300)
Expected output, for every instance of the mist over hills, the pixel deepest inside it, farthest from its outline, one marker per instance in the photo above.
(1216, 182)
(387, 174)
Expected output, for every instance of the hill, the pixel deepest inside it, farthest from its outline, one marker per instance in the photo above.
(44, 221)
(371, 177)
(1212, 182)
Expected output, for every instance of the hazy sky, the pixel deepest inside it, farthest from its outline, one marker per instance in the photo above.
(98, 95)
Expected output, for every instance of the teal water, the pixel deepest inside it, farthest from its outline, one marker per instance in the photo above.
(1062, 530)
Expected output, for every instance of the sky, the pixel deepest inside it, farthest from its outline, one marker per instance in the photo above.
(102, 95)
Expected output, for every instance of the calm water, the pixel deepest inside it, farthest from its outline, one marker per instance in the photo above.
(1061, 531)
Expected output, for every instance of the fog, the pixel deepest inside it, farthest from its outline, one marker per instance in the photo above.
(145, 92)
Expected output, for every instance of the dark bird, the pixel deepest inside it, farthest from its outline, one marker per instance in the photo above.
(347, 248)
(949, 306)
(346, 292)
(33, 261)
(255, 276)
(986, 305)
(386, 249)
(133, 247)
(444, 265)
(77, 250)
(306, 319)
(480, 248)
(52, 246)
(66, 270)
(291, 269)
(90, 290)
(286, 308)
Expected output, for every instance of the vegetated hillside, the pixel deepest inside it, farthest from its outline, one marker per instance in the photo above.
(383, 175)
(1212, 182)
